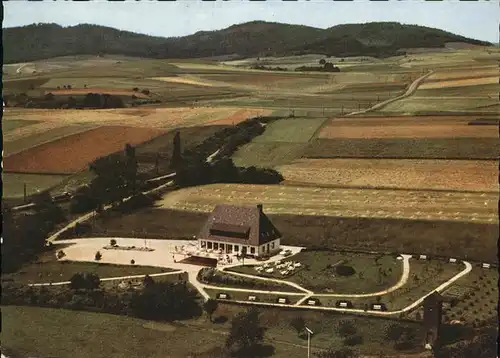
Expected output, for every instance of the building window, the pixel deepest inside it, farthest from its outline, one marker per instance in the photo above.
(236, 248)
(252, 250)
(216, 246)
(209, 244)
(203, 244)
(272, 245)
(222, 247)
(229, 248)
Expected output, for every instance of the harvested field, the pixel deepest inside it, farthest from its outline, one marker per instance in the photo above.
(150, 117)
(448, 238)
(184, 80)
(33, 140)
(267, 155)
(399, 173)
(13, 183)
(419, 104)
(407, 130)
(463, 74)
(290, 131)
(461, 82)
(415, 205)
(241, 116)
(405, 148)
(85, 91)
(73, 153)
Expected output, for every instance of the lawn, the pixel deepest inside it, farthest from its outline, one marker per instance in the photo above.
(226, 279)
(13, 183)
(371, 273)
(437, 148)
(12, 125)
(48, 269)
(430, 274)
(268, 155)
(260, 297)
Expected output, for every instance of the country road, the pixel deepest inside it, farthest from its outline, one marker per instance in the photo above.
(411, 90)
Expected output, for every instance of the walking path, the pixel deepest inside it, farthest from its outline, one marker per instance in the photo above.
(109, 278)
(411, 90)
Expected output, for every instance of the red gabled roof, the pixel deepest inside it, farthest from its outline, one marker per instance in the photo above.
(249, 222)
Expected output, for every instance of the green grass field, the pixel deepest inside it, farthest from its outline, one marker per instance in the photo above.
(290, 130)
(268, 155)
(13, 183)
(31, 331)
(9, 126)
(318, 273)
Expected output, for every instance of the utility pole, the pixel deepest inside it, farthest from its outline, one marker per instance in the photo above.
(25, 192)
(309, 332)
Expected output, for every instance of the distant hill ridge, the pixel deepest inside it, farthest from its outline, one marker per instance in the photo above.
(256, 38)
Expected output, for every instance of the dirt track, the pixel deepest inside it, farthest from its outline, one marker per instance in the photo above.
(401, 204)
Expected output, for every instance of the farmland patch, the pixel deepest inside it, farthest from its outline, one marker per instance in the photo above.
(399, 173)
(461, 82)
(405, 148)
(415, 205)
(83, 92)
(241, 116)
(12, 125)
(13, 183)
(33, 140)
(267, 155)
(73, 153)
(298, 130)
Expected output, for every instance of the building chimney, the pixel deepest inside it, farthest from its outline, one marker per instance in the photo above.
(259, 206)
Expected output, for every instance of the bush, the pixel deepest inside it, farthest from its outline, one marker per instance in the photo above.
(85, 280)
(344, 270)
(60, 254)
(353, 340)
(112, 242)
(346, 328)
(145, 91)
(98, 255)
(132, 262)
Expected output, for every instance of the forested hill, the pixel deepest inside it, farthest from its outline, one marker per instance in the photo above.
(257, 38)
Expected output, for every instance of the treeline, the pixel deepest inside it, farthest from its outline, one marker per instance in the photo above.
(264, 68)
(161, 301)
(25, 233)
(194, 168)
(89, 101)
(326, 67)
(256, 38)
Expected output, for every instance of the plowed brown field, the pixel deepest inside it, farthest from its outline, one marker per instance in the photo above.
(400, 173)
(463, 74)
(73, 153)
(84, 91)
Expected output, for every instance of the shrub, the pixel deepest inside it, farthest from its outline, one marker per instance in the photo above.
(112, 242)
(145, 91)
(135, 89)
(84, 281)
(148, 281)
(60, 254)
(132, 262)
(353, 340)
(98, 256)
(346, 328)
(344, 270)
